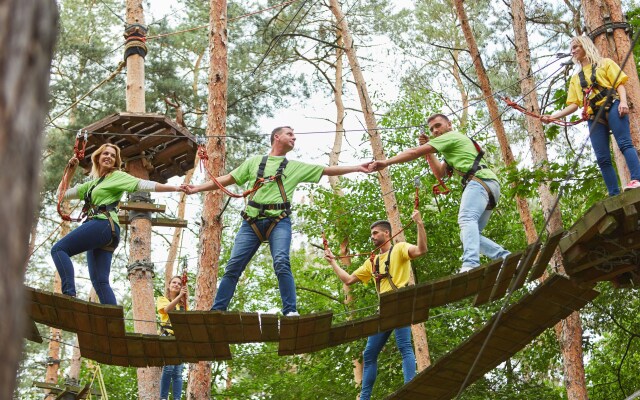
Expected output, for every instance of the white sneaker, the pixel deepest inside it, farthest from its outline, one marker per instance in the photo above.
(465, 269)
(292, 314)
(634, 184)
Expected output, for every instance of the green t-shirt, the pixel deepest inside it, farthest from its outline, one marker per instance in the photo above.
(109, 190)
(296, 172)
(459, 152)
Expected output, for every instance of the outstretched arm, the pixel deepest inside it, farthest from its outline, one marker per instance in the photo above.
(225, 180)
(570, 109)
(416, 251)
(342, 274)
(407, 155)
(336, 170)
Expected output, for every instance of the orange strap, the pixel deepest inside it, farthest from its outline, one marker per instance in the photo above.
(204, 157)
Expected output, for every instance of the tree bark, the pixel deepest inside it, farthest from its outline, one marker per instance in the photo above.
(140, 239)
(569, 331)
(199, 386)
(27, 36)
(176, 240)
(53, 356)
(616, 45)
(483, 80)
(393, 214)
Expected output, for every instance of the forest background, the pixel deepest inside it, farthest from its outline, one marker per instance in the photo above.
(282, 72)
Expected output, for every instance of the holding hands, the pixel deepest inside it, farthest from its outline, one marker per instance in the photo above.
(189, 189)
(417, 217)
(377, 165)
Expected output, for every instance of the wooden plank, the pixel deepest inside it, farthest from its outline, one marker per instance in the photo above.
(598, 252)
(607, 225)
(585, 228)
(630, 220)
(32, 333)
(142, 206)
(288, 333)
(489, 279)
(311, 333)
(396, 308)
(545, 255)
(157, 221)
(526, 262)
(506, 275)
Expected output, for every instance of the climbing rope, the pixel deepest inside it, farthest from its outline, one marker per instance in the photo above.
(78, 150)
(557, 121)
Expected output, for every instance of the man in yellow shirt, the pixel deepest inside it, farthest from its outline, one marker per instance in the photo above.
(390, 270)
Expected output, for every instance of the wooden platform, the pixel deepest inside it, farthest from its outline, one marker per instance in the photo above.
(552, 301)
(169, 147)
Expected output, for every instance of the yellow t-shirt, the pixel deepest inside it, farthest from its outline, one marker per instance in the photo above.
(605, 76)
(399, 267)
(161, 303)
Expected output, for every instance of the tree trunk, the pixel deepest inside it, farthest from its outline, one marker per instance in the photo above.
(27, 34)
(211, 230)
(569, 331)
(176, 240)
(483, 80)
(141, 279)
(53, 356)
(464, 97)
(386, 186)
(616, 45)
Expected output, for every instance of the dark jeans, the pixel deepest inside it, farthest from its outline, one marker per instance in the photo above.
(89, 237)
(244, 247)
(599, 135)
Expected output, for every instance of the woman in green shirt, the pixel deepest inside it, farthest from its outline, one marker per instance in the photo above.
(99, 234)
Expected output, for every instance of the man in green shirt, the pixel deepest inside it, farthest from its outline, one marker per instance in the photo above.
(482, 189)
(266, 217)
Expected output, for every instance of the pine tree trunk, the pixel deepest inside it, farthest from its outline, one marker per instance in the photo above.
(616, 45)
(27, 36)
(386, 186)
(569, 331)
(176, 240)
(199, 386)
(140, 239)
(53, 356)
(483, 80)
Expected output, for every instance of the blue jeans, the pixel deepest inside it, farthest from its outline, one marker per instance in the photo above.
(599, 135)
(89, 237)
(171, 373)
(375, 343)
(245, 246)
(473, 216)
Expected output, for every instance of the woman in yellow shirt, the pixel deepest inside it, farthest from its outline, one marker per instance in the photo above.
(608, 76)
(175, 298)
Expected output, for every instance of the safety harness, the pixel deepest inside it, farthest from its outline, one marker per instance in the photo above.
(470, 175)
(91, 211)
(284, 207)
(609, 93)
(386, 275)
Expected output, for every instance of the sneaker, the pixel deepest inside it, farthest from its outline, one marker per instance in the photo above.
(632, 185)
(292, 314)
(465, 269)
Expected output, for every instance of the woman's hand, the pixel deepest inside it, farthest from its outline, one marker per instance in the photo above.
(73, 162)
(623, 108)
